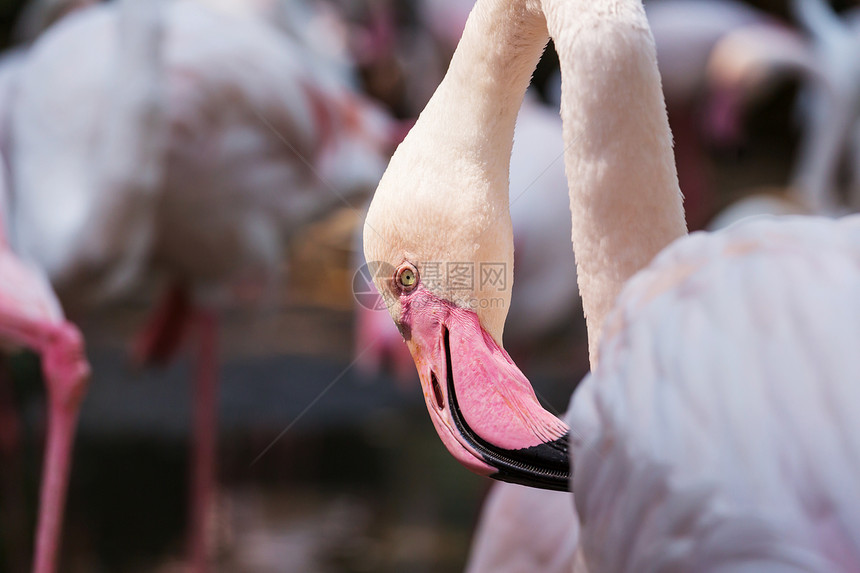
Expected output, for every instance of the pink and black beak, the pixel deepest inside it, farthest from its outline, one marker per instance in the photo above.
(482, 406)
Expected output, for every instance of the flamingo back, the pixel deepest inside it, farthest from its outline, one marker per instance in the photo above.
(720, 430)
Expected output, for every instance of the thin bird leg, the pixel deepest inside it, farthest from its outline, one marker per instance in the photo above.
(205, 429)
(164, 331)
(66, 374)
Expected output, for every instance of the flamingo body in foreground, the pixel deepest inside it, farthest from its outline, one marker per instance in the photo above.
(744, 459)
(524, 529)
(739, 340)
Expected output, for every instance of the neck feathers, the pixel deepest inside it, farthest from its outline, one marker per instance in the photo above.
(444, 196)
(625, 201)
(473, 112)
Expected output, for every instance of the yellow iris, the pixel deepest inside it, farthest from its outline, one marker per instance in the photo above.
(407, 277)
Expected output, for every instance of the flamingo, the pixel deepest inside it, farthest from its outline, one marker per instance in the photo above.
(718, 429)
(833, 94)
(31, 318)
(546, 298)
(454, 331)
(197, 145)
(745, 66)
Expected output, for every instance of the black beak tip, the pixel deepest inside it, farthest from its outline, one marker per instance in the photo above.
(545, 466)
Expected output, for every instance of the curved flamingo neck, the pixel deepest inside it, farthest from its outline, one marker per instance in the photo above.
(444, 196)
(625, 201)
(476, 105)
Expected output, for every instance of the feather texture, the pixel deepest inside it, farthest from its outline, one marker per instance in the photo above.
(721, 429)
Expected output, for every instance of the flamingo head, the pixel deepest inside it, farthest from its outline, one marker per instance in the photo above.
(745, 66)
(439, 246)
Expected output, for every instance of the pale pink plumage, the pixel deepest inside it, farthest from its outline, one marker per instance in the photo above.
(524, 529)
(720, 430)
(546, 298)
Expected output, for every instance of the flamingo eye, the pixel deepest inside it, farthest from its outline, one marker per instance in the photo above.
(406, 277)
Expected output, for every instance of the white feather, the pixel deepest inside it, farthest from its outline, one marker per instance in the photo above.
(721, 428)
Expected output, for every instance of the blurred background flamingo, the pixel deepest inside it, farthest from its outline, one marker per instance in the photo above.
(750, 63)
(186, 159)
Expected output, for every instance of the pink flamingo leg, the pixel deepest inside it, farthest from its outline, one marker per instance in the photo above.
(66, 375)
(164, 332)
(204, 444)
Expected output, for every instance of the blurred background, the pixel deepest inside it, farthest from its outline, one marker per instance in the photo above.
(281, 115)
